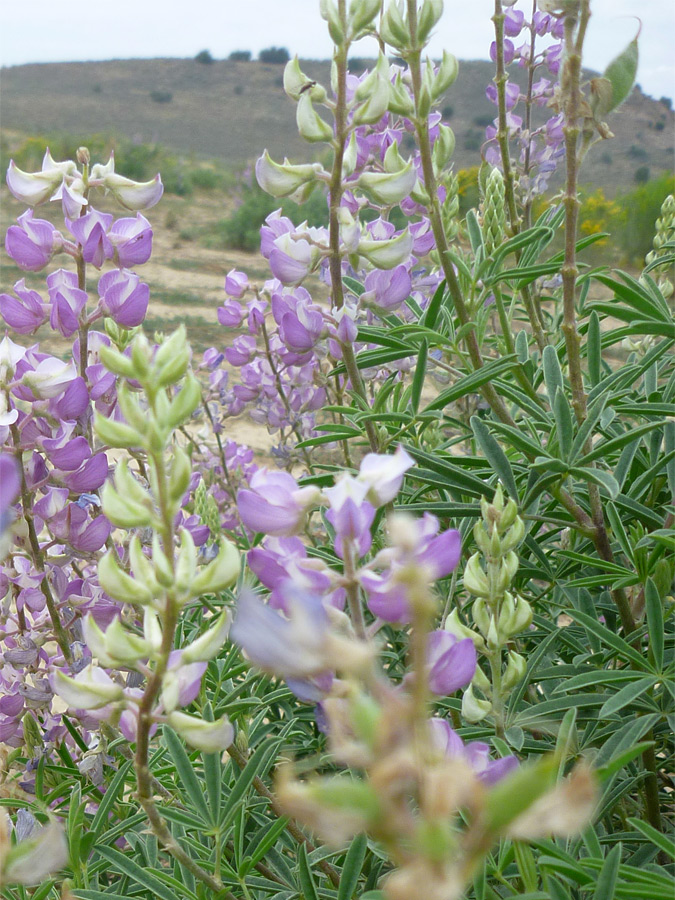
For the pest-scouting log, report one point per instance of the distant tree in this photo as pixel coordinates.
(278, 55)
(240, 56)
(161, 96)
(667, 102)
(204, 56)
(641, 175)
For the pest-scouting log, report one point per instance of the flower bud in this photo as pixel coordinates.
(116, 362)
(393, 28)
(522, 618)
(116, 434)
(209, 737)
(119, 585)
(181, 472)
(283, 179)
(475, 579)
(134, 195)
(310, 124)
(361, 15)
(374, 92)
(186, 564)
(481, 681)
(330, 13)
(400, 101)
(122, 646)
(89, 689)
(163, 570)
(508, 516)
(171, 360)
(507, 611)
(387, 254)
(481, 538)
(33, 188)
(429, 15)
(207, 646)
(142, 567)
(219, 574)
(152, 631)
(388, 189)
(481, 616)
(444, 147)
(34, 858)
(513, 536)
(123, 511)
(296, 83)
(473, 709)
(515, 670)
(185, 402)
(446, 75)
(461, 631)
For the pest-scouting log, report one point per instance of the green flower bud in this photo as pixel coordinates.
(523, 616)
(152, 631)
(172, 359)
(444, 147)
(388, 189)
(181, 472)
(361, 15)
(481, 616)
(122, 646)
(209, 737)
(142, 567)
(446, 75)
(350, 157)
(494, 211)
(481, 681)
(373, 95)
(116, 362)
(219, 574)
(429, 15)
(513, 536)
(481, 538)
(116, 434)
(475, 579)
(186, 564)
(163, 569)
(507, 611)
(140, 357)
(185, 402)
(400, 101)
(131, 409)
(310, 124)
(393, 28)
(515, 670)
(296, 83)
(387, 254)
(330, 13)
(283, 179)
(461, 631)
(33, 859)
(119, 585)
(508, 517)
(474, 709)
(90, 689)
(365, 715)
(208, 644)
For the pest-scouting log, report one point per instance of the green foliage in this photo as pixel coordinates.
(640, 209)
(275, 55)
(240, 56)
(241, 230)
(204, 57)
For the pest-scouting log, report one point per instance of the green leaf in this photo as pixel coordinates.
(621, 74)
(607, 637)
(604, 449)
(495, 456)
(632, 293)
(100, 820)
(626, 696)
(473, 382)
(351, 870)
(661, 840)
(305, 877)
(654, 606)
(420, 373)
(597, 476)
(604, 887)
(265, 839)
(622, 759)
(187, 779)
(587, 427)
(553, 376)
(594, 349)
(430, 315)
(257, 765)
(474, 231)
(564, 425)
(138, 875)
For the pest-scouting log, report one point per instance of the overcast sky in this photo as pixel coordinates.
(49, 31)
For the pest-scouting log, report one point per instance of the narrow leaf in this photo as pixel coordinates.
(352, 867)
(187, 779)
(654, 607)
(626, 696)
(604, 888)
(495, 456)
(553, 376)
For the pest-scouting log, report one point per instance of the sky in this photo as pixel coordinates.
(48, 31)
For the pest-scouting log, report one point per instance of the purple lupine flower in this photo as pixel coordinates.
(132, 241)
(243, 349)
(256, 314)
(476, 754)
(91, 231)
(68, 301)
(73, 402)
(74, 525)
(231, 314)
(32, 243)
(350, 514)
(509, 51)
(124, 297)
(292, 260)
(69, 456)
(10, 484)
(89, 476)
(290, 647)
(514, 19)
(182, 681)
(423, 237)
(26, 314)
(236, 284)
(383, 474)
(451, 662)
(300, 321)
(512, 94)
(43, 379)
(274, 503)
(280, 561)
(553, 58)
(387, 289)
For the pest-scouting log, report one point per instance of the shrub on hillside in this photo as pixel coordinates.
(204, 56)
(277, 55)
(240, 56)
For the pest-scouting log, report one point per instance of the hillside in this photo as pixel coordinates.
(231, 110)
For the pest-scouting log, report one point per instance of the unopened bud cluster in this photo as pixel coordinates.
(494, 211)
(665, 234)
